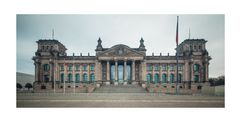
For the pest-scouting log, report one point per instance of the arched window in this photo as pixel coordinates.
(156, 78)
(77, 78)
(196, 67)
(70, 77)
(148, 77)
(164, 78)
(171, 78)
(62, 77)
(85, 77)
(92, 77)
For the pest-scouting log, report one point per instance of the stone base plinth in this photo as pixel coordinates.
(134, 83)
(107, 83)
(98, 85)
(144, 86)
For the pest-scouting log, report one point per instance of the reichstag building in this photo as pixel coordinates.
(118, 65)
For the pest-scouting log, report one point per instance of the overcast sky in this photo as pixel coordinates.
(79, 33)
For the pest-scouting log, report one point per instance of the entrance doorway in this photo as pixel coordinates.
(120, 73)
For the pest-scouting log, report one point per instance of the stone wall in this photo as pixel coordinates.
(59, 88)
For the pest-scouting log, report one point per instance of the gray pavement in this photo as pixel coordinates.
(116, 100)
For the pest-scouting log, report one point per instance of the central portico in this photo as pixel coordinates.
(120, 63)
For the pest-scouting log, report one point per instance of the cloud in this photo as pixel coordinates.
(79, 33)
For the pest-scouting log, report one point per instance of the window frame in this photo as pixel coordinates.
(46, 67)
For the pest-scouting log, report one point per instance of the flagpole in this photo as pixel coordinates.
(177, 55)
(54, 81)
(74, 76)
(64, 77)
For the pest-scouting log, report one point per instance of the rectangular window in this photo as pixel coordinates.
(69, 67)
(46, 67)
(62, 77)
(164, 67)
(171, 67)
(180, 67)
(91, 67)
(156, 67)
(62, 67)
(77, 67)
(149, 67)
(84, 67)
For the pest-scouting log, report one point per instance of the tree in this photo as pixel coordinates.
(220, 80)
(19, 86)
(217, 81)
(28, 86)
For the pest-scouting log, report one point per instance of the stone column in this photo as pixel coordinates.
(100, 71)
(186, 71)
(51, 72)
(153, 65)
(54, 76)
(116, 71)
(206, 72)
(133, 70)
(192, 73)
(160, 73)
(65, 72)
(125, 71)
(143, 63)
(140, 72)
(97, 70)
(108, 71)
(73, 72)
(73, 77)
(81, 72)
(36, 72)
(168, 76)
(88, 72)
(39, 72)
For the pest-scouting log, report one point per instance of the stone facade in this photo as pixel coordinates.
(120, 64)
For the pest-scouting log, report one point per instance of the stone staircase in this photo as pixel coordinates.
(120, 89)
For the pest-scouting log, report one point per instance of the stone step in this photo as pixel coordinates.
(120, 89)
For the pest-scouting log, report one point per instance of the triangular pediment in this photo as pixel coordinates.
(120, 51)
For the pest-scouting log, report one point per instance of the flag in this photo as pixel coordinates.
(177, 32)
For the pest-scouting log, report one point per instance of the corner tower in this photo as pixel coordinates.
(47, 53)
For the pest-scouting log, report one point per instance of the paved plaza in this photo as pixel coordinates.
(116, 100)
